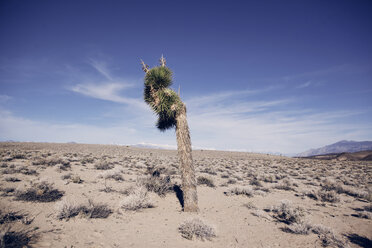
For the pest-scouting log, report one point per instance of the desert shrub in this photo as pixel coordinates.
(256, 182)
(11, 216)
(12, 179)
(323, 195)
(158, 184)
(225, 175)
(17, 238)
(76, 179)
(40, 192)
(247, 191)
(259, 213)
(103, 165)
(51, 161)
(87, 160)
(25, 170)
(137, 199)
(365, 215)
(299, 228)
(66, 176)
(202, 180)
(269, 179)
(287, 213)
(231, 181)
(249, 205)
(328, 196)
(196, 228)
(67, 210)
(209, 170)
(286, 184)
(115, 174)
(97, 210)
(328, 237)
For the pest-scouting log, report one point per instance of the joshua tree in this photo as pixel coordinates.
(171, 113)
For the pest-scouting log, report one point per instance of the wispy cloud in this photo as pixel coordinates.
(5, 98)
(106, 91)
(276, 125)
(110, 89)
(304, 85)
(102, 68)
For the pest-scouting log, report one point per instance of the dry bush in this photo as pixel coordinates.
(17, 238)
(323, 195)
(103, 165)
(328, 237)
(287, 213)
(247, 191)
(157, 183)
(249, 205)
(256, 182)
(76, 179)
(286, 184)
(137, 199)
(115, 174)
(299, 228)
(209, 170)
(12, 179)
(208, 181)
(196, 228)
(365, 215)
(10, 216)
(67, 210)
(40, 192)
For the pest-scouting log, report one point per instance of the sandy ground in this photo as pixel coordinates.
(270, 178)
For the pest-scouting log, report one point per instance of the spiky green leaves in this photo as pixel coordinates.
(159, 77)
(163, 101)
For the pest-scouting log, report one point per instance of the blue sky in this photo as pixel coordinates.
(264, 76)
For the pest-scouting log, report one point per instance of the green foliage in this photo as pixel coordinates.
(163, 100)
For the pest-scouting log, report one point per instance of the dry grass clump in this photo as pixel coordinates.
(247, 191)
(208, 181)
(287, 213)
(40, 192)
(196, 228)
(137, 199)
(67, 210)
(17, 238)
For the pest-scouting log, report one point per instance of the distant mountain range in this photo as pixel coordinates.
(339, 147)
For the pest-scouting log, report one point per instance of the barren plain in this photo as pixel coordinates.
(76, 195)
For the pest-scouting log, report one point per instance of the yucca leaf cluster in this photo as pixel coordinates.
(163, 100)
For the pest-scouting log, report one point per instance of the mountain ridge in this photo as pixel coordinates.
(339, 147)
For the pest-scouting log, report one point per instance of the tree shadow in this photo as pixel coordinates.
(359, 240)
(179, 193)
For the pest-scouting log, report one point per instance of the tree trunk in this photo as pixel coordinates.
(190, 197)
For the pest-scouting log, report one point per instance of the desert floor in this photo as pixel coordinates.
(247, 200)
